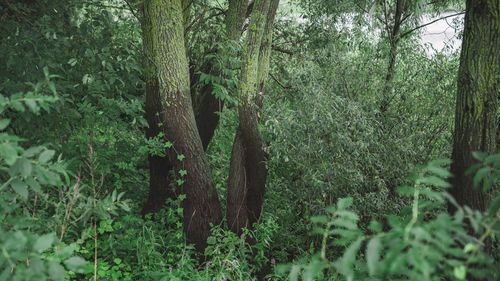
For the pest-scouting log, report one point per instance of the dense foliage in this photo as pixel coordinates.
(353, 188)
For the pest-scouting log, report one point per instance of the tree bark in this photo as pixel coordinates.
(477, 94)
(159, 166)
(393, 53)
(201, 206)
(246, 184)
(208, 106)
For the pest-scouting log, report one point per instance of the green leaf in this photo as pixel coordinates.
(182, 172)
(56, 271)
(44, 242)
(438, 171)
(494, 206)
(373, 255)
(346, 263)
(480, 174)
(4, 123)
(344, 203)
(76, 264)
(460, 272)
(20, 188)
(22, 167)
(8, 152)
(181, 157)
(168, 144)
(45, 156)
(435, 181)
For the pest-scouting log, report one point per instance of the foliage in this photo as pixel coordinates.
(423, 242)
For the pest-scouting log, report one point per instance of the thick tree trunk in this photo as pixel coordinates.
(202, 206)
(478, 89)
(207, 108)
(246, 184)
(159, 166)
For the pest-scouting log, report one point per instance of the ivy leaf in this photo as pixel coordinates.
(182, 172)
(180, 182)
(181, 157)
(168, 144)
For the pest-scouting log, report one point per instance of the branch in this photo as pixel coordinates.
(429, 23)
(282, 50)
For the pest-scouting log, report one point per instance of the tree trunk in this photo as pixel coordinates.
(201, 206)
(246, 184)
(159, 166)
(393, 53)
(209, 107)
(476, 106)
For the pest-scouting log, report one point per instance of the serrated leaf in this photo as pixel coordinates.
(56, 271)
(44, 242)
(45, 156)
(76, 264)
(346, 263)
(8, 152)
(20, 188)
(4, 123)
(480, 174)
(435, 181)
(438, 171)
(373, 255)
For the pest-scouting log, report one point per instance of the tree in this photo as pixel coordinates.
(477, 94)
(205, 105)
(165, 54)
(248, 172)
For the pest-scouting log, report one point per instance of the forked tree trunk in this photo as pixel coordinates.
(247, 178)
(477, 104)
(201, 206)
(206, 111)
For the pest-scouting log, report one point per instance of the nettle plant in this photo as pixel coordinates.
(423, 242)
(26, 173)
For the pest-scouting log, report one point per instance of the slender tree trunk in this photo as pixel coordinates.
(393, 53)
(246, 184)
(477, 94)
(201, 206)
(208, 106)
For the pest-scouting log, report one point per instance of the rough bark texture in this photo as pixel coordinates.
(159, 183)
(202, 206)
(207, 107)
(246, 185)
(478, 89)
